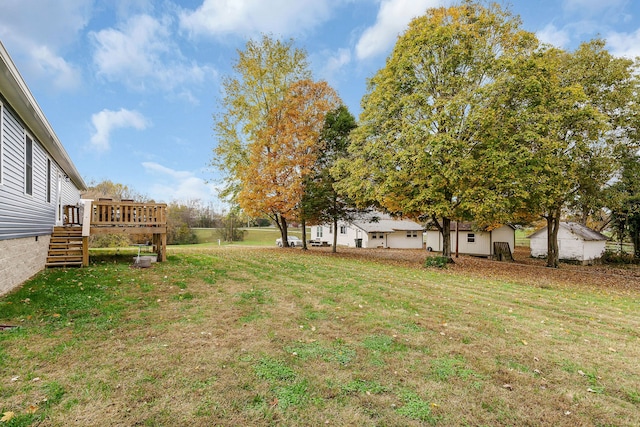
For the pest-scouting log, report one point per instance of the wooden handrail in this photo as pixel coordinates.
(71, 215)
(126, 213)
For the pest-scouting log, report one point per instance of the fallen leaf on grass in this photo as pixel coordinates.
(613, 350)
(32, 409)
(7, 416)
(508, 386)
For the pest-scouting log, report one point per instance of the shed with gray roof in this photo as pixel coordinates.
(576, 242)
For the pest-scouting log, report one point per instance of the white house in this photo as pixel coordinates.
(576, 242)
(37, 179)
(468, 239)
(373, 230)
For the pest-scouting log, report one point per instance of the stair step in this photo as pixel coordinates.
(59, 242)
(64, 264)
(62, 234)
(65, 247)
(65, 252)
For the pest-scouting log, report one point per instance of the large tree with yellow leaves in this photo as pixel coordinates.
(268, 129)
(416, 151)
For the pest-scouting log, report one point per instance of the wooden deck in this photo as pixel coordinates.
(121, 217)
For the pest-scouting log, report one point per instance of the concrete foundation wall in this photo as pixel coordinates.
(20, 259)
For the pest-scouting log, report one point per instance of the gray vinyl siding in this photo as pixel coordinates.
(23, 215)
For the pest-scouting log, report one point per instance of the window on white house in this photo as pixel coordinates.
(343, 229)
(28, 166)
(319, 232)
(374, 236)
(471, 238)
(412, 234)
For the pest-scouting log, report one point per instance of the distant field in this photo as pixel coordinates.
(262, 236)
(521, 237)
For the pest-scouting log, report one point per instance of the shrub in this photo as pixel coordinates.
(109, 241)
(436, 261)
(611, 257)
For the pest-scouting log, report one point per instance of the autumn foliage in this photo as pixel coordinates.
(285, 151)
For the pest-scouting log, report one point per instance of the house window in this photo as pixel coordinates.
(48, 180)
(28, 166)
(343, 229)
(471, 238)
(412, 234)
(318, 231)
(374, 236)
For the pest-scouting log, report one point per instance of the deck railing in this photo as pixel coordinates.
(128, 214)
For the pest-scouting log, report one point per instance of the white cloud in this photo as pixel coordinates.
(333, 62)
(107, 121)
(393, 18)
(142, 55)
(250, 17)
(625, 44)
(52, 22)
(592, 7)
(36, 38)
(554, 36)
(172, 185)
(62, 74)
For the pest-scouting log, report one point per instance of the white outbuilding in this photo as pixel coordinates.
(469, 239)
(576, 242)
(372, 230)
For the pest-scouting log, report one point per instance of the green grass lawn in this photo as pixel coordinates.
(255, 236)
(265, 336)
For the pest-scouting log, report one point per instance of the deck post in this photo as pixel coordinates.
(85, 251)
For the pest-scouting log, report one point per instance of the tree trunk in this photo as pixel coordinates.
(283, 232)
(334, 249)
(304, 234)
(634, 231)
(445, 232)
(553, 223)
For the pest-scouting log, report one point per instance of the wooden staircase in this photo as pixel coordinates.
(65, 247)
(502, 251)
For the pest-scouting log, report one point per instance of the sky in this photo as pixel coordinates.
(130, 86)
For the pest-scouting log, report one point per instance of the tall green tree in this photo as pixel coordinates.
(611, 86)
(416, 148)
(253, 96)
(545, 117)
(321, 202)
